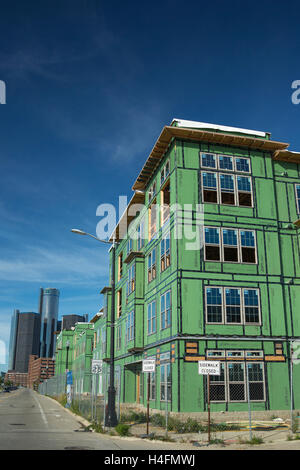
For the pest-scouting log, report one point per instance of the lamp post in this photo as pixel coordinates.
(111, 419)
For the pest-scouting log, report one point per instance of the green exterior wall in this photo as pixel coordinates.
(189, 337)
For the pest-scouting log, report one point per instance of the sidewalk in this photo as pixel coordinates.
(267, 435)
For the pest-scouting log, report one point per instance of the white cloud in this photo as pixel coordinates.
(44, 265)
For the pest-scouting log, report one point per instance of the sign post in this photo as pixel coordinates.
(208, 368)
(148, 367)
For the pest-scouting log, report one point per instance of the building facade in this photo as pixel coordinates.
(24, 339)
(208, 269)
(48, 308)
(39, 369)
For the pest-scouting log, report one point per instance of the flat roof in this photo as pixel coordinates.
(205, 125)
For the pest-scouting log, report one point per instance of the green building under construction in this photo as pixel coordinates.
(207, 268)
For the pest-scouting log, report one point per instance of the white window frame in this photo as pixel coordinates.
(130, 320)
(153, 266)
(209, 167)
(152, 331)
(221, 260)
(166, 384)
(227, 383)
(239, 171)
(167, 325)
(212, 244)
(223, 306)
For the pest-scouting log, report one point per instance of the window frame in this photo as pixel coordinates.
(165, 256)
(220, 245)
(223, 306)
(167, 312)
(234, 172)
(129, 332)
(166, 385)
(152, 320)
(152, 269)
(226, 382)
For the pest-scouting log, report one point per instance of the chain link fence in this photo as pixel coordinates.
(88, 392)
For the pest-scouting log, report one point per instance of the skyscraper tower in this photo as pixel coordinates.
(48, 308)
(13, 339)
(24, 339)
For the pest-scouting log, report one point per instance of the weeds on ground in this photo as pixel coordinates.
(175, 424)
(97, 427)
(254, 441)
(122, 429)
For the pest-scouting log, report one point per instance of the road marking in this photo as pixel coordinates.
(42, 411)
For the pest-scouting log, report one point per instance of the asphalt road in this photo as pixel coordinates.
(29, 421)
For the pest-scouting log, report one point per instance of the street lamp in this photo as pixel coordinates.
(111, 419)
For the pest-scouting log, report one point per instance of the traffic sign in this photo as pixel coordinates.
(149, 365)
(208, 367)
(97, 365)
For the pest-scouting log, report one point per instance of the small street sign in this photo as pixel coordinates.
(69, 378)
(208, 367)
(97, 365)
(149, 365)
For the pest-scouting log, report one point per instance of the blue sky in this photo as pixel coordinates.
(89, 85)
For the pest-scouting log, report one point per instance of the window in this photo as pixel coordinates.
(165, 203)
(152, 191)
(165, 257)
(297, 189)
(212, 244)
(242, 165)
(230, 245)
(152, 265)
(131, 279)
(165, 172)
(152, 395)
(214, 304)
(248, 246)
(119, 337)
(120, 266)
(151, 320)
(224, 188)
(165, 310)
(227, 189)
(238, 246)
(119, 303)
(152, 220)
(130, 327)
(103, 340)
(229, 305)
(244, 191)
(233, 305)
(165, 382)
(208, 160)
(256, 381)
(225, 163)
(210, 190)
(141, 235)
(251, 305)
(236, 381)
(217, 389)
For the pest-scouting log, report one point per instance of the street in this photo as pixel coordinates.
(29, 421)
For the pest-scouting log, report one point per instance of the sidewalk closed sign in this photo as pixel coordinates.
(209, 367)
(149, 365)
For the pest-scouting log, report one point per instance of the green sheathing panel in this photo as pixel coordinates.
(276, 274)
(63, 359)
